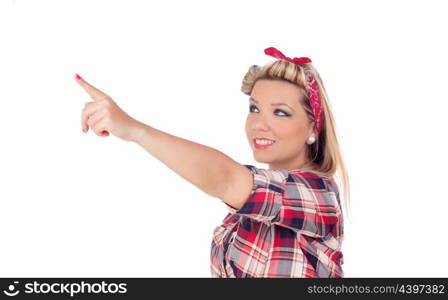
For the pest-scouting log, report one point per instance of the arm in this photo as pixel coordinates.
(205, 167)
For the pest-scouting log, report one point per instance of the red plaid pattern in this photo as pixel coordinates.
(291, 225)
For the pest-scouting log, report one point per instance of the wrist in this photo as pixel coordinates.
(139, 132)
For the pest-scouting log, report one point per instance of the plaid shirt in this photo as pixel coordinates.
(291, 225)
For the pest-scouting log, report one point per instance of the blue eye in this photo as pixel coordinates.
(279, 110)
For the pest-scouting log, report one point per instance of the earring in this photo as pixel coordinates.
(311, 139)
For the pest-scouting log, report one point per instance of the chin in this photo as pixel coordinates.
(262, 160)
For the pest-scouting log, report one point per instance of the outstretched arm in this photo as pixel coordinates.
(203, 166)
(209, 169)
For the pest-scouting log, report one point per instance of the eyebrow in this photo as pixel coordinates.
(273, 104)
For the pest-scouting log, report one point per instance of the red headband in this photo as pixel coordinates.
(312, 87)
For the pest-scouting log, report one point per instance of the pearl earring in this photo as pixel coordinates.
(311, 139)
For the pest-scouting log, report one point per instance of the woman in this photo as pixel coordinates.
(285, 221)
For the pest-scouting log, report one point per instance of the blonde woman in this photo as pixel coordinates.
(285, 221)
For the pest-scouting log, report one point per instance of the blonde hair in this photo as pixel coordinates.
(325, 154)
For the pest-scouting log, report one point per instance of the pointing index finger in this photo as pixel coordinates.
(90, 89)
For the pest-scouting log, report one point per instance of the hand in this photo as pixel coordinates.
(103, 115)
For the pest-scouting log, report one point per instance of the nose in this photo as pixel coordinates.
(260, 123)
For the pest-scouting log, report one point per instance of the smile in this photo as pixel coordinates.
(262, 143)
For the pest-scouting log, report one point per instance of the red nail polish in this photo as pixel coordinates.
(78, 77)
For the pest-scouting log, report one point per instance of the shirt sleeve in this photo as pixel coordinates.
(299, 201)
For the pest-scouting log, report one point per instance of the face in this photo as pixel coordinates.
(286, 124)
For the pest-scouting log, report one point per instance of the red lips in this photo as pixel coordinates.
(261, 147)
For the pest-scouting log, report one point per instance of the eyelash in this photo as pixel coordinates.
(286, 114)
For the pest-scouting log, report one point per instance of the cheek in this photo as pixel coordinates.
(288, 130)
(293, 136)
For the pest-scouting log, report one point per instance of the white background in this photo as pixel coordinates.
(75, 204)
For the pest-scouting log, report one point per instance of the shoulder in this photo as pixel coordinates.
(279, 176)
(307, 178)
(269, 183)
(299, 184)
(311, 179)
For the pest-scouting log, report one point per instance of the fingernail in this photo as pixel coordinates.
(78, 77)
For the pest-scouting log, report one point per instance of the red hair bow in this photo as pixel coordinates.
(277, 54)
(312, 87)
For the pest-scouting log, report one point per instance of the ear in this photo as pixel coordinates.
(311, 129)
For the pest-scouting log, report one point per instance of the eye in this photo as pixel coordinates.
(285, 114)
(250, 107)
